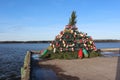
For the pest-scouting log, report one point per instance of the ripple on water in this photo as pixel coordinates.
(12, 57)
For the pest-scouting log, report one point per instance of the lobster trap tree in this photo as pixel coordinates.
(72, 40)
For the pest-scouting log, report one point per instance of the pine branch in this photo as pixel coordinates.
(72, 20)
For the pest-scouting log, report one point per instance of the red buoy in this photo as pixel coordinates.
(80, 53)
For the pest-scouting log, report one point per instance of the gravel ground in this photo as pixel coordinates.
(99, 68)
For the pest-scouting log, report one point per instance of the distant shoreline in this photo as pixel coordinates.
(25, 41)
(106, 40)
(48, 41)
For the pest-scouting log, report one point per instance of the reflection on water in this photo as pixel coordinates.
(36, 56)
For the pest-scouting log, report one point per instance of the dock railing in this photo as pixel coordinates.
(25, 70)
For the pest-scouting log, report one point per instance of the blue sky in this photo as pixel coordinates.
(24, 20)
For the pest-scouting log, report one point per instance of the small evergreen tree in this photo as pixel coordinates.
(72, 20)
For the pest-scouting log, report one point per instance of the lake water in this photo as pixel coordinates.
(12, 56)
(108, 45)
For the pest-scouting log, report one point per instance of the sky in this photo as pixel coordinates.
(34, 20)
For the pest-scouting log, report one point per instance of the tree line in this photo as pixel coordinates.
(49, 41)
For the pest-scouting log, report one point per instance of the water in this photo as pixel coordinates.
(12, 56)
(108, 45)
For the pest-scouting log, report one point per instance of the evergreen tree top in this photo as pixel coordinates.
(72, 20)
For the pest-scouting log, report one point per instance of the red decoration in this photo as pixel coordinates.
(67, 36)
(81, 41)
(61, 32)
(57, 44)
(66, 49)
(80, 53)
